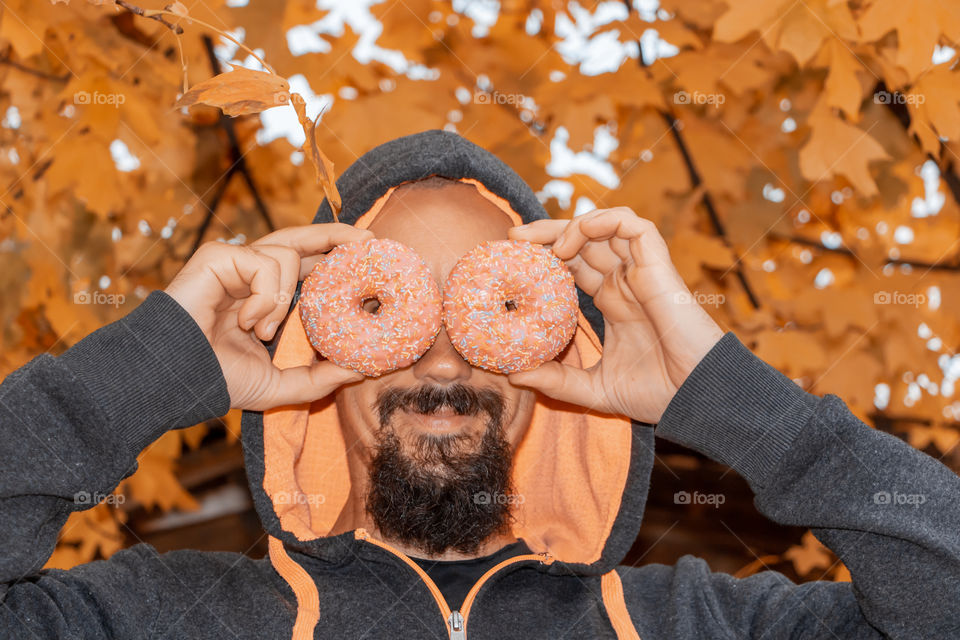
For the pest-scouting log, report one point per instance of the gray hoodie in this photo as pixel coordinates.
(73, 425)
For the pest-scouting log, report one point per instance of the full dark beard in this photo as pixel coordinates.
(445, 495)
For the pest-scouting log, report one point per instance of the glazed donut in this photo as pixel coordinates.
(371, 306)
(509, 305)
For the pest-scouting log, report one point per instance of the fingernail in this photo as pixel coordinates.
(272, 327)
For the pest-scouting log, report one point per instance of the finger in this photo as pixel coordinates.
(218, 258)
(307, 383)
(314, 239)
(627, 227)
(561, 382)
(585, 276)
(600, 256)
(546, 232)
(572, 238)
(619, 222)
(539, 231)
(621, 247)
(650, 249)
(289, 263)
(597, 259)
(262, 274)
(653, 272)
(599, 225)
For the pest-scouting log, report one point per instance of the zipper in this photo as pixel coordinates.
(457, 625)
(456, 620)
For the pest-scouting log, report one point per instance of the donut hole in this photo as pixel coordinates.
(510, 305)
(370, 305)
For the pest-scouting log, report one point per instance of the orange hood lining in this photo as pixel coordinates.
(570, 469)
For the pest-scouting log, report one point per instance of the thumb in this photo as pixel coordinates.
(308, 383)
(561, 382)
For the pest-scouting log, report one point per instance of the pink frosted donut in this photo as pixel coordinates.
(510, 305)
(340, 312)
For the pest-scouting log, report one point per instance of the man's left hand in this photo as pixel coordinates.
(655, 333)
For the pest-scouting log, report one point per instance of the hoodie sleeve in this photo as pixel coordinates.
(71, 428)
(890, 512)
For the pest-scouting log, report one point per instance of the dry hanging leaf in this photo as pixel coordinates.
(239, 92)
(323, 166)
(325, 175)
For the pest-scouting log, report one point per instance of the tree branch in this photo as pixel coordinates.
(902, 114)
(936, 266)
(226, 122)
(695, 182)
(34, 72)
(237, 165)
(211, 209)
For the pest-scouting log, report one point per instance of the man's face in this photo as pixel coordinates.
(438, 433)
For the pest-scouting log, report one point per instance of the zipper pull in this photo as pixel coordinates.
(457, 631)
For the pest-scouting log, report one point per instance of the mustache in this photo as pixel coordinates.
(426, 399)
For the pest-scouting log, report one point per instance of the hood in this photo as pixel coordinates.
(583, 476)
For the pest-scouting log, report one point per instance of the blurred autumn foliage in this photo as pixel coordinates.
(800, 158)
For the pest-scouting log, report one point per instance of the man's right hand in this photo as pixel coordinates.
(239, 295)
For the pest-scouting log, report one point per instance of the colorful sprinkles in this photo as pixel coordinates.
(510, 305)
(393, 336)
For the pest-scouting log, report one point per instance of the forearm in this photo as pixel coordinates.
(71, 427)
(812, 463)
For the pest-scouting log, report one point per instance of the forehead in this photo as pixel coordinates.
(440, 224)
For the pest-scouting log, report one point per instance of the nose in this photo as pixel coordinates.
(442, 364)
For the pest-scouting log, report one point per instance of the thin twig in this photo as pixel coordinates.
(143, 13)
(220, 32)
